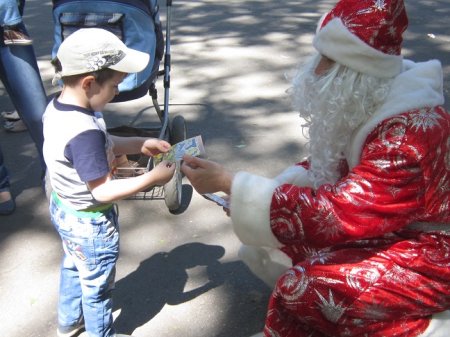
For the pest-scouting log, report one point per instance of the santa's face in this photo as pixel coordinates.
(334, 101)
(323, 66)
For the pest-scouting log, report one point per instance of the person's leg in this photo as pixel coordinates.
(98, 285)
(20, 75)
(7, 204)
(98, 277)
(69, 308)
(93, 247)
(69, 302)
(9, 13)
(353, 292)
(268, 264)
(11, 23)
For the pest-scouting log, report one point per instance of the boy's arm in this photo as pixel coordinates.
(135, 145)
(107, 189)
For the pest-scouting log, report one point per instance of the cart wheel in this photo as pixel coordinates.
(177, 131)
(173, 190)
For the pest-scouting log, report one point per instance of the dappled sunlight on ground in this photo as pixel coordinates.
(179, 275)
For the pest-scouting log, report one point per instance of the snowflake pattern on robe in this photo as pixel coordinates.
(350, 237)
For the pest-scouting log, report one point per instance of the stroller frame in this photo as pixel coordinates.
(171, 130)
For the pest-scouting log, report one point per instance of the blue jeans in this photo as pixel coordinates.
(9, 13)
(91, 249)
(20, 75)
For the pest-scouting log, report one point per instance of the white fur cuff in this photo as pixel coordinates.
(294, 175)
(251, 197)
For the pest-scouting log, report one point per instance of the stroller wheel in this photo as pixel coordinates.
(173, 190)
(177, 130)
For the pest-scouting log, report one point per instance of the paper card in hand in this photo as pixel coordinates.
(191, 146)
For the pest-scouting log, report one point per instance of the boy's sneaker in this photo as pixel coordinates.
(70, 331)
(12, 36)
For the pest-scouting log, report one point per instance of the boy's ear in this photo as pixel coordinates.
(87, 81)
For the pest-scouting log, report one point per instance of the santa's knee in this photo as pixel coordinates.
(439, 325)
(267, 264)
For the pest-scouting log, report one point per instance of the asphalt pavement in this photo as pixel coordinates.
(179, 274)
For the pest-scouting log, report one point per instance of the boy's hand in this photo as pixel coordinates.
(163, 172)
(154, 146)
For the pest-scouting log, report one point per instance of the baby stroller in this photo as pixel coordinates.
(137, 24)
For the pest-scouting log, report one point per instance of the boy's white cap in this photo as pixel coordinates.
(91, 49)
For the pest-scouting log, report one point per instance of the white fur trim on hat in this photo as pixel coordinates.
(336, 42)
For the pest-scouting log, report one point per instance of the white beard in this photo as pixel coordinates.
(333, 106)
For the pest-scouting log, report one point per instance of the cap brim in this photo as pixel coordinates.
(133, 62)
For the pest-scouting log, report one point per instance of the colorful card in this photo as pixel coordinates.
(191, 146)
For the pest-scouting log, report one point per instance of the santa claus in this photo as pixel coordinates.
(355, 240)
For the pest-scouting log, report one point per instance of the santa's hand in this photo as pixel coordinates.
(206, 176)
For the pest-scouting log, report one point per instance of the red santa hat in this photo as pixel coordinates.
(364, 35)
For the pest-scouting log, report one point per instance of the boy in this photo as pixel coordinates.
(79, 154)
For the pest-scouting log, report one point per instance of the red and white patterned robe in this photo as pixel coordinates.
(370, 254)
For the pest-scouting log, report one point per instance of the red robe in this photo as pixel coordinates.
(370, 254)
